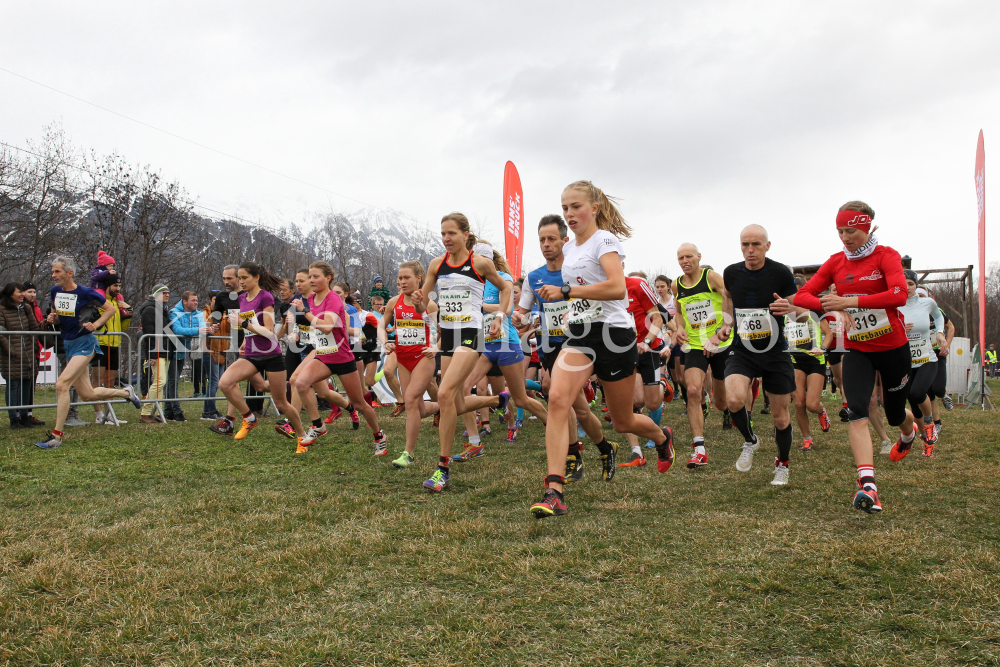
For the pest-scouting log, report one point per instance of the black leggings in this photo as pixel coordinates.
(939, 388)
(859, 382)
(920, 383)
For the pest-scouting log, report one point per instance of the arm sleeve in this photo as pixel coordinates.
(938, 317)
(808, 294)
(895, 295)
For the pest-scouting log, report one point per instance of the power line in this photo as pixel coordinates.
(196, 143)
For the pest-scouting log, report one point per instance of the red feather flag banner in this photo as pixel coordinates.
(513, 215)
(981, 203)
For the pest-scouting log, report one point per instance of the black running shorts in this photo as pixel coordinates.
(808, 364)
(452, 339)
(695, 358)
(774, 369)
(648, 366)
(271, 363)
(611, 350)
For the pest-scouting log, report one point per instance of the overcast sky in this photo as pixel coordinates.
(702, 117)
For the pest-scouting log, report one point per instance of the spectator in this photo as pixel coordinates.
(18, 359)
(104, 274)
(155, 318)
(31, 300)
(214, 359)
(378, 289)
(991, 361)
(104, 367)
(187, 324)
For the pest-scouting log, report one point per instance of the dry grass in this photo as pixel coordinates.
(171, 545)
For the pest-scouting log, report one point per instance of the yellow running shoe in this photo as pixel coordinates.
(245, 429)
(301, 448)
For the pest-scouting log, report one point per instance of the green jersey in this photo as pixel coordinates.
(700, 308)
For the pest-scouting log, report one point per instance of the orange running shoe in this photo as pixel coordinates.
(824, 421)
(668, 392)
(807, 444)
(245, 429)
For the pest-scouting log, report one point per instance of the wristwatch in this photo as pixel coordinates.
(647, 341)
(565, 290)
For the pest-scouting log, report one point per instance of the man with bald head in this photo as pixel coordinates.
(758, 349)
(701, 300)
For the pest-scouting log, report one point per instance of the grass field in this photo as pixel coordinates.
(172, 545)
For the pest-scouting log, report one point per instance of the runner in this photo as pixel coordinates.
(649, 321)
(939, 388)
(700, 307)
(918, 313)
(805, 334)
(104, 368)
(413, 351)
(675, 358)
(462, 276)
(332, 355)
(871, 287)
(502, 350)
(758, 288)
(260, 351)
(74, 308)
(600, 339)
(834, 346)
(553, 234)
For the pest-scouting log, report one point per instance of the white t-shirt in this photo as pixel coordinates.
(582, 266)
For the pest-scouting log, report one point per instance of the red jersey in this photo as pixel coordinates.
(878, 282)
(412, 330)
(641, 300)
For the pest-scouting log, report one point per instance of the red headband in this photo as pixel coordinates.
(854, 219)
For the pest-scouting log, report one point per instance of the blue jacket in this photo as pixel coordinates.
(185, 325)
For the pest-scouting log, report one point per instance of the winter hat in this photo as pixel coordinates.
(26, 285)
(378, 279)
(159, 288)
(103, 258)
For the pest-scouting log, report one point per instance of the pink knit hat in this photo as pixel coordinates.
(103, 258)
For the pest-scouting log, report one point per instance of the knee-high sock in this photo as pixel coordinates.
(783, 436)
(520, 414)
(656, 415)
(741, 418)
(532, 385)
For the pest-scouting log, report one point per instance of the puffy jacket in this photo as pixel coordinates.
(18, 354)
(186, 326)
(155, 348)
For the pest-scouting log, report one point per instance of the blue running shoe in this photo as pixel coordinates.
(438, 481)
(580, 433)
(470, 452)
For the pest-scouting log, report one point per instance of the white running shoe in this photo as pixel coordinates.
(99, 418)
(780, 476)
(745, 462)
(886, 447)
(937, 429)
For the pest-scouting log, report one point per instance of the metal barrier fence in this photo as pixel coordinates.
(29, 372)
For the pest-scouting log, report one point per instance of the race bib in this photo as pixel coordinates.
(797, 334)
(455, 305)
(306, 335)
(584, 310)
(920, 350)
(66, 304)
(247, 316)
(753, 323)
(868, 323)
(411, 332)
(324, 343)
(700, 314)
(554, 317)
(488, 325)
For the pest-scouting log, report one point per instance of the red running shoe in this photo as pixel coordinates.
(900, 450)
(588, 391)
(665, 452)
(334, 415)
(696, 461)
(824, 421)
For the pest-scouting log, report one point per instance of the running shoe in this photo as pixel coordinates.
(886, 447)
(485, 431)
(634, 461)
(335, 414)
(697, 461)
(947, 402)
(470, 452)
(245, 429)
(437, 419)
(512, 434)
(398, 410)
(223, 427)
(438, 481)
(370, 400)
(404, 461)
(845, 415)
(50, 442)
(745, 462)
(285, 429)
(589, 393)
(824, 421)
(552, 505)
(766, 410)
(937, 429)
(727, 421)
(133, 397)
(608, 463)
(355, 421)
(607, 417)
(210, 416)
(928, 435)
(519, 423)
(580, 433)
(300, 446)
(866, 499)
(665, 452)
(381, 445)
(780, 474)
(668, 392)
(574, 468)
(807, 444)
(929, 451)
(900, 450)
